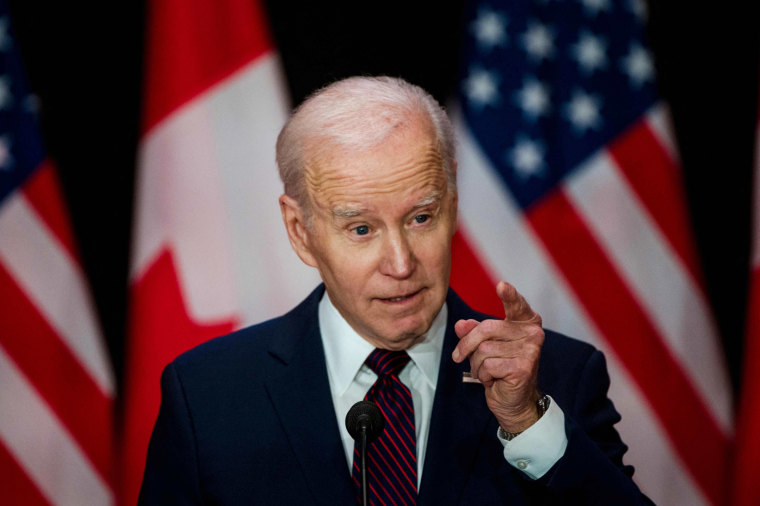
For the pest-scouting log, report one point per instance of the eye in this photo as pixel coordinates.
(421, 218)
(361, 230)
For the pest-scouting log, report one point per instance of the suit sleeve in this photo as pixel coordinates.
(171, 471)
(592, 471)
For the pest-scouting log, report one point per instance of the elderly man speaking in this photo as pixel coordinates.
(476, 410)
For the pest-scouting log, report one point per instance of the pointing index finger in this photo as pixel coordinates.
(516, 308)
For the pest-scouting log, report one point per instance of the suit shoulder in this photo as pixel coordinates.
(561, 345)
(564, 353)
(565, 361)
(252, 337)
(251, 343)
(247, 345)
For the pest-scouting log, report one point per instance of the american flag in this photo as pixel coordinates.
(56, 382)
(570, 189)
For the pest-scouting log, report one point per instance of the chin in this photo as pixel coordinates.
(409, 334)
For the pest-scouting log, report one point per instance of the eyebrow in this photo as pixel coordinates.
(342, 212)
(430, 199)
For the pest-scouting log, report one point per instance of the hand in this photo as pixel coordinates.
(504, 357)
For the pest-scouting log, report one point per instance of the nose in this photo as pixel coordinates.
(397, 260)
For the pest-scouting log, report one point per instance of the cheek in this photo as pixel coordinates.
(434, 253)
(351, 269)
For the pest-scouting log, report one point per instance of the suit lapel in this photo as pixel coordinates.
(298, 386)
(458, 423)
(300, 391)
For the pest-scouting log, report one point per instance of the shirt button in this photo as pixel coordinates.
(522, 464)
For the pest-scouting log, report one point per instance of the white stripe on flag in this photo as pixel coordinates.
(54, 282)
(655, 276)
(42, 446)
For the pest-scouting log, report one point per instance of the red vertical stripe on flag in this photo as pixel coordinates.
(17, 487)
(194, 44)
(59, 377)
(747, 463)
(658, 184)
(629, 332)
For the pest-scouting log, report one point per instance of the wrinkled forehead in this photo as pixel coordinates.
(406, 161)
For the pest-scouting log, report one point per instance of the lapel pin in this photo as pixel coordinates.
(467, 378)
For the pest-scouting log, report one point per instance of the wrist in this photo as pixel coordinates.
(515, 427)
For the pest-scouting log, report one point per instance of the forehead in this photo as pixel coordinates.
(406, 164)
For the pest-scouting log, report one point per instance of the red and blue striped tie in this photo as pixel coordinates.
(392, 458)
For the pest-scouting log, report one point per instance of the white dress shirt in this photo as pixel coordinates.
(534, 451)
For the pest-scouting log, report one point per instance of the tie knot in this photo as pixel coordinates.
(385, 362)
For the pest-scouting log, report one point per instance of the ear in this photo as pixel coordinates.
(455, 201)
(295, 224)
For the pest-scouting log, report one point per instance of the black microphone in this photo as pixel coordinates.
(365, 423)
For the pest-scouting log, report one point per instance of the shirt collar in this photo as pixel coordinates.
(346, 351)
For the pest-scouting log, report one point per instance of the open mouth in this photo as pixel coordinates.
(401, 298)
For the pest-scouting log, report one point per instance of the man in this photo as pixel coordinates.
(256, 417)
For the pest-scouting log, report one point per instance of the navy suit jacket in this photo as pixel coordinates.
(248, 419)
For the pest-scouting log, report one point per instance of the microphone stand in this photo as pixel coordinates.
(364, 465)
(365, 423)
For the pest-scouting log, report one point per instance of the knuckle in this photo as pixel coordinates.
(491, 366)
(468, 343)
(490, 326)
(536, 333)
(488, 348)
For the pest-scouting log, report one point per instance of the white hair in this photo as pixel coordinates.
(357, 113)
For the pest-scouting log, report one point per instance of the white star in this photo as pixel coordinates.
(6, 159)
(527, 157)
(533, 98)
(482, 87)
(538, 41)
(583, 112)
(594, 7)
(6, 97)
(638, 65)
(5, 39)
(590, 51)
(639, 9)
(489, 29)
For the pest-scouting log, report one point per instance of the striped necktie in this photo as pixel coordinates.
(392, 458)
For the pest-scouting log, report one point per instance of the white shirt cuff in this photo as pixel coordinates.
(540, 446)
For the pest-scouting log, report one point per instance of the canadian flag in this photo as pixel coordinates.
(210, 254)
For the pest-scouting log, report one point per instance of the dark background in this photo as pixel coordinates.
(85, 64)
